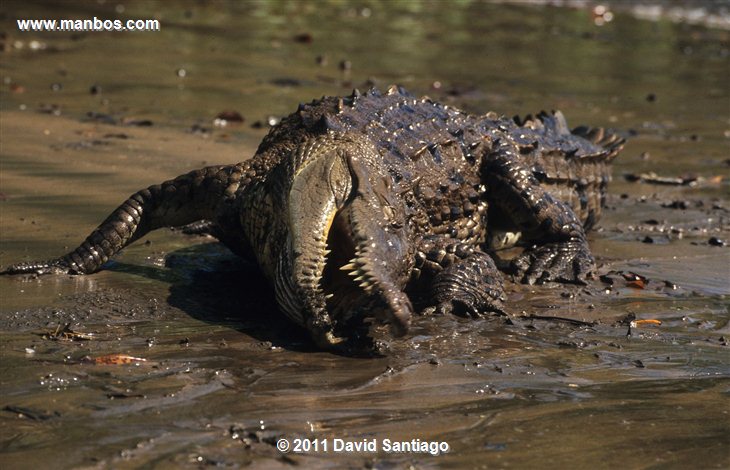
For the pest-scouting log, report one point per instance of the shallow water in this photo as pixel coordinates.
(224, 377)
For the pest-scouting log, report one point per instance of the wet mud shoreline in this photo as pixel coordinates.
(175, 355)
(197, 330)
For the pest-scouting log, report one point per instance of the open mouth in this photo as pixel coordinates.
(346, 283)
(356, 291)
(347, 261)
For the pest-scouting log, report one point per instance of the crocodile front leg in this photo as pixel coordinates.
(471, 286)
(180, 201)
(560, 251)
(459, 277)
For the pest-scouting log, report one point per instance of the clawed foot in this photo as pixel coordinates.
(467, 308)
(58, 266)
(200, 227)
(569, 261)
(469, 287)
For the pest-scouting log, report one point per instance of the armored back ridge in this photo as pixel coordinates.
(366, 205)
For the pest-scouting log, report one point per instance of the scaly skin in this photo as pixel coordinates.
(363, 206)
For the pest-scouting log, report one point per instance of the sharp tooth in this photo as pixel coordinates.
(329, 296)
(348, 267)
(327, 252)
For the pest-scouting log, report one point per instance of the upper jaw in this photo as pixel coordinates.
(361, 279)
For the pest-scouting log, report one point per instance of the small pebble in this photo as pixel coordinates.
(304, 38)
(137, 122)
(714, 241)
(198, 129)
(225, 117)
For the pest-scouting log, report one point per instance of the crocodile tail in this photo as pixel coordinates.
(553, 123)
(610, 142)
(183, 200)
(573, 165)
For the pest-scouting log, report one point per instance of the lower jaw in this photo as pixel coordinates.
(348, 305)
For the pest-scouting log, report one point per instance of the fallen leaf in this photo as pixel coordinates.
(649, 321)
(634, 280)
(117, 359)
(65, 333)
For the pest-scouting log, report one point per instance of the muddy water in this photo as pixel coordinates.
(221, 377)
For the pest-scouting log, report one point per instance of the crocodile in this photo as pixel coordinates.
(378, 205)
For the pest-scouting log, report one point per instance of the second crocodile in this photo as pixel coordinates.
(368, 205)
